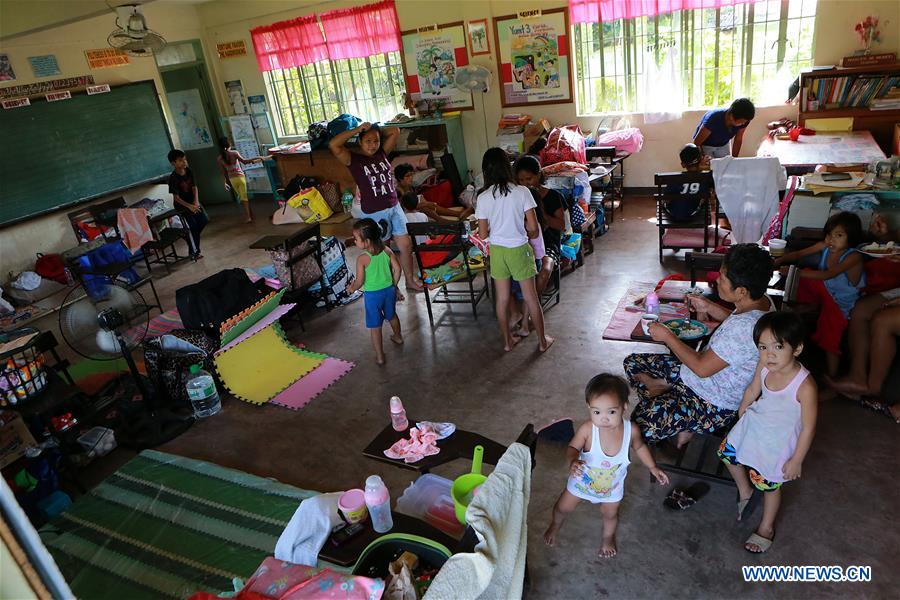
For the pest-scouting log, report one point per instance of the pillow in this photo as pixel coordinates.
(419, 162)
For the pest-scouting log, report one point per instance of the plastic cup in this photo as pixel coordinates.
(352, 505)
(777, 246)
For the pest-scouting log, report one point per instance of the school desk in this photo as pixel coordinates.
(825, 148)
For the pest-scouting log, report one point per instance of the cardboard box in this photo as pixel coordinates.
(14, 438)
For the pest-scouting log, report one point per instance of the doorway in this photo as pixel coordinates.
(196, 118)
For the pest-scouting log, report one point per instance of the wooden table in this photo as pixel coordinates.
(459, 445)
(826, 148)
(276, 241)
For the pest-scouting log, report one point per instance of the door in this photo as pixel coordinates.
(197, 124)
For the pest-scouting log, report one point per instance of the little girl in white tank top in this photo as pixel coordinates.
(603, 477)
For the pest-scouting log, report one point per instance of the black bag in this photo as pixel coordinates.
(297, 183)
(209, 303)
(317, 134)
(169, 356)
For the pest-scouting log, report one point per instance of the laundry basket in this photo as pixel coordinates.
(22, 374)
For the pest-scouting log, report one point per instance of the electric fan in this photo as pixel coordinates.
(475, 78)
(105, 321)
(132, 35)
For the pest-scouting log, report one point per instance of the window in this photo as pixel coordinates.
(370, 88)
(715, 55)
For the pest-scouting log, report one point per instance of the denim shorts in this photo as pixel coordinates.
(380, 306)
(393, 216)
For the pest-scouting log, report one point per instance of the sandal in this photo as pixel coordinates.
(760, 542)
(684, 499)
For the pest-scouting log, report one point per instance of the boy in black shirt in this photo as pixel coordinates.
(187, 199)
(683, 200)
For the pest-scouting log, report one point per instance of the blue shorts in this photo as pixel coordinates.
(394, 217)
(379, 306)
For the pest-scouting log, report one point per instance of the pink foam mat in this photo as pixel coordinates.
(301, 392)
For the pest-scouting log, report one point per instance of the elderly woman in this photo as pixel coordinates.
(689, 391)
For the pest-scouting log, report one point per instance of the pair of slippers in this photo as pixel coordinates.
(683, 499)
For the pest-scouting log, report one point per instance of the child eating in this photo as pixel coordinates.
(776, 425)
(836, 284)
(377, 273)
(598, 459)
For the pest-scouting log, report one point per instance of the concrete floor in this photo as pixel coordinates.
(843, 512)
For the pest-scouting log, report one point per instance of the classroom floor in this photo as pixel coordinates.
(843, 512)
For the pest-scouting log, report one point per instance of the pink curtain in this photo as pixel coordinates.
(597, 11)
(289, 44)
(362, 30)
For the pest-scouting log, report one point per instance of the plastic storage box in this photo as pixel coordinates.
(429, 499)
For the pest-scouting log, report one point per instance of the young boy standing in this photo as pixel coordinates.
(187, 199)
(719, 126)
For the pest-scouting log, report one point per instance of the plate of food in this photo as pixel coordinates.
(687, 329)
(877, 250)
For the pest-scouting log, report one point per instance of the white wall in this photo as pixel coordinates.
(176, 21)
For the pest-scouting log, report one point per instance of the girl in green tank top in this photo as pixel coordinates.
(377, 273)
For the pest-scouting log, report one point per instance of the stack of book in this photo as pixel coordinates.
(853, 92)
(889, 101)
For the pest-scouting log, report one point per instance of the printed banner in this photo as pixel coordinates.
(533, 59)
(97, 89)
(43, 87)
(16, 103)
(232, 49)
(105, 58)
(430, 59)
(55, 96)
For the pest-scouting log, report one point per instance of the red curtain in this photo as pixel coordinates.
(597, 11)
(362, 30)
(287, 44)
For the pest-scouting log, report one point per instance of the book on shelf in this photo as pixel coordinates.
(852, 91)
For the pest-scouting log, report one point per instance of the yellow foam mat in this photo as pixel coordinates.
(261, 366)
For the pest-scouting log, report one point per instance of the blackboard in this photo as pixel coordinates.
(57, 154)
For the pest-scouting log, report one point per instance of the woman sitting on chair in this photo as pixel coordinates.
(691, 391)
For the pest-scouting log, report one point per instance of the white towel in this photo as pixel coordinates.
(748, 191)
(303, 538)
(498, 514)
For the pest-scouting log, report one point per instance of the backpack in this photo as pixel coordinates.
(342, 123)
(210, 302)
(168, 356)
(317, 134)
(51, 266)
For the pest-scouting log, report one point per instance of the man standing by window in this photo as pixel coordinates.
(719, 126)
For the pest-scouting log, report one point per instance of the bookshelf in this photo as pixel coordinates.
(865, 93)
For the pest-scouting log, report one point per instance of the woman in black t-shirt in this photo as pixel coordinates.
(551, 204)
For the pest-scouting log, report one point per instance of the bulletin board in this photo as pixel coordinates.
(430, 59)
(533, 58)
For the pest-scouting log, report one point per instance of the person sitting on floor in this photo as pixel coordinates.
(777, 421)
(689, 391)
(835, 285)
(683, 200)
(403, 173)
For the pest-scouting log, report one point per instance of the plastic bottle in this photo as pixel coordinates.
(398, 415)
(347, 200)
(378, 501)
(201, 389)
(651, 304)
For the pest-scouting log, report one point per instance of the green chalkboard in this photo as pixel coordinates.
(57, 154)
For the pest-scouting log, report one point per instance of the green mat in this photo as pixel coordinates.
(167, 526)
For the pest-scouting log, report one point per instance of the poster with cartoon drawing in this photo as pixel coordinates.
(430, 59)
(533, 56)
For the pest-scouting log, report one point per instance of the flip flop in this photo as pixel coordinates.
(760, 542)
(680, 499)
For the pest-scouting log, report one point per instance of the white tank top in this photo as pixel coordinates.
(604, 476)
(766, 436)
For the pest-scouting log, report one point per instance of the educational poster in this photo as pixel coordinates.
(6, 70)
(244, 137)
(235, 91)
(478, 38)
(533, 58)
(257, 104)
(430, 59)
(44, 66)
(190, 119)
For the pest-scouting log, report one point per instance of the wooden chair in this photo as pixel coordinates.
(664, 222)
(303, 245)
(443, 293)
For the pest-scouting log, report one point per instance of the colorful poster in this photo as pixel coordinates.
(190, 119)
(430, 59)
(44, 66)
(533, 59)
(6, 70)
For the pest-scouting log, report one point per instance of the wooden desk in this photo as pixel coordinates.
(459, 445)
(276, 241)
(826, 148)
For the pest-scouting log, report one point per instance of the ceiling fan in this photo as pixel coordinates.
(133, 36)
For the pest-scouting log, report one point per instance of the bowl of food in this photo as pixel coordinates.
(687, 329)
(877, 250)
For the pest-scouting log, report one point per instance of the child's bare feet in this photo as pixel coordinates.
(548, 341)
(550, 535)
(683, 438)
(379, 359)
(397, 339)
(849, 387)
(608, 547)
(655, 387)
(510, 342)
(895, 411)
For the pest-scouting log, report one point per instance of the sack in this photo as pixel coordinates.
(286, 215)
(629, 140)
(311, 205)
(169, 356)
(342, 123)
(51, 266)
(317, 134)
(564, 144)
(209, 303)
(332, 195)
(304, 272)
